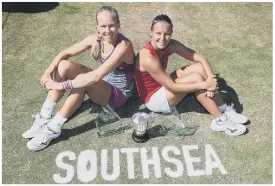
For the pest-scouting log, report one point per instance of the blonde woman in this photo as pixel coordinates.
(109, 84)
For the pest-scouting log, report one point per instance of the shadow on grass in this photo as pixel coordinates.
(87, 104)
(28, 7)
(228, 94)
(188, 104)
(126, 111)
(67, 133)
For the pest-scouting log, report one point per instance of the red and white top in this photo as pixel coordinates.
(146, 85)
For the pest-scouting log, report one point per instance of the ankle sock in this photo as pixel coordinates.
(47, 108)
(222, 118)
(223, 108)
(56, 123)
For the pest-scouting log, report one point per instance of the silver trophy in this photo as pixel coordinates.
(140, 120)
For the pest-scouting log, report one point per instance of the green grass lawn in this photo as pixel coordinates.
(236, 38)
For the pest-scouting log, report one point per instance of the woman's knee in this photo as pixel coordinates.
(178, 73)
(193, 77)
(64, 66)
(198, 77)
(71, 70)
(200, 69)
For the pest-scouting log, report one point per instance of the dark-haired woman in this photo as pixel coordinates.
(109, 84)
(160, 91)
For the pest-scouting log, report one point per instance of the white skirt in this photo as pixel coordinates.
(158, 102)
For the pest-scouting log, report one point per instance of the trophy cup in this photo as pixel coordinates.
(140, 134)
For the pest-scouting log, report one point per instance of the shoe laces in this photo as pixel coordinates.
(228, 123)
(231, 124)
(44, 135)
(38, 122)
(231, 109)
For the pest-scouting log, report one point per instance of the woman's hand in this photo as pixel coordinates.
(53, 85)
(210, 94)
(48, 75)
(211, 84)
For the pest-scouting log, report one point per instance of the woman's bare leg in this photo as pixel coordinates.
(228, 123)
(99, 94)
(65, 70)
(206, 102)
(197, 68)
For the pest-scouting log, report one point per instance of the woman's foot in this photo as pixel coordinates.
(37, 126)
(42, 139)
(229, 127)
(234, 116)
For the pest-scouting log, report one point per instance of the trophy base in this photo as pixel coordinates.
(140, 139)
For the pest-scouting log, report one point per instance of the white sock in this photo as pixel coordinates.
(56, 123)
(47, 108)
(222, 118)
(223, 108)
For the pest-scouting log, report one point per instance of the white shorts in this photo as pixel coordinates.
(158, 102)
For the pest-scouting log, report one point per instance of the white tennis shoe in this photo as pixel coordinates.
(37, 126)
(42, 139)
(234, 116)
(227, 126)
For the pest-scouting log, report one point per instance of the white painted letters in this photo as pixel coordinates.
(104, 165)
(70, 169)
(216, 163)
(87, 163)
(175, 161)
(87, 166)
(153, 161)
(130, 161)
(190, 160)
